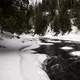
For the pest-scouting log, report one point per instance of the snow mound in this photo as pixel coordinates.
(75, 53)
(66, 48)
(26, 42)
(31, 66)
(74, 35)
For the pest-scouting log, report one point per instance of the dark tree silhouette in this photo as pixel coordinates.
(18, 16)
(60, 13)
(14, 16)
(40, 20)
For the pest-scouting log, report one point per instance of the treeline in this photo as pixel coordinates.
(17, 16)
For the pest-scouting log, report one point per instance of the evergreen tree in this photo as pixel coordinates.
(18, 16)
(60, 14)
(14, 16)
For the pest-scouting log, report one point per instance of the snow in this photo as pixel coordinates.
(17, 61)
(31, 67)
(9, 66)
(75, 53)
(52, 41)
(22, 66)
(25, 42)
(11, 43)
(74, 35)
(66, 48)
(46, 44)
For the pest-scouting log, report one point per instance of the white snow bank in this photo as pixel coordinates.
(24, 36)
(22, 66)
(9, 66)
(31, 67)
(66, 48)
(14, 44)
(74, 35)
(52, 41)
(46, 44)
(26, 41)
(75, 53)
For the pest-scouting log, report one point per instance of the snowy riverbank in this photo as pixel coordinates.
(21, 66)
(17, 61)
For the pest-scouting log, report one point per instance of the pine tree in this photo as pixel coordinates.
(40, 20)
(18, 16)
(14, 16)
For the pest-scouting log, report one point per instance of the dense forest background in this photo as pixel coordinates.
(18, 16)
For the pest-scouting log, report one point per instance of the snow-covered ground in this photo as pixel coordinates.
(22, 66)
(74, 35)
(33, 2)
(10, 66)
(17, 61)
(31, 68)
(75, 53)
(66, 48)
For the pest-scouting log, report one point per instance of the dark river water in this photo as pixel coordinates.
(61, 65)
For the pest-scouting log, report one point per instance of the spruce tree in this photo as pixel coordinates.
(14, 16)
(18, 16)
